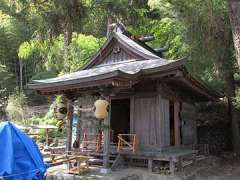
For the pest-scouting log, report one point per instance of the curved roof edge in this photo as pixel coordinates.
(127, 70)
(130, 43)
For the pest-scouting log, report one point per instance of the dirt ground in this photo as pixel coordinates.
(226, 167)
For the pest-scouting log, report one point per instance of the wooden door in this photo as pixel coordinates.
(144, 121)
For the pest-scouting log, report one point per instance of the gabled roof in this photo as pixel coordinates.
(137, 61)
(138, 50)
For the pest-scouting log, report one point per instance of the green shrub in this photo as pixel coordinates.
(17, 107)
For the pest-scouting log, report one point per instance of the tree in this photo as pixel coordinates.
(12, 34)
(17, 107)
(47, 57)
(4, 78)
(234, 14)
(208, 35)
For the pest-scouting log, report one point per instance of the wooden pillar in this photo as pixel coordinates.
(150, 165)
(47, 137)
(69, 124)
(172, 166)
(78, 132)
(132, 115)
(106, 147)
(177, 123)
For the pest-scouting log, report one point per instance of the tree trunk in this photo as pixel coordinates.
(109, 26)
(234, 15)
(72, 8)
(21, 74)
(233, 114)
(68, 30)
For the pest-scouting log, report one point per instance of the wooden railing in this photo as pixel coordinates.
(127, 142)
(92, 139)
(70, 160)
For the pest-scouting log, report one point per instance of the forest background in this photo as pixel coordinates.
(48, 38)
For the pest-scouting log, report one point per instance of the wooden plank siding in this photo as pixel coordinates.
(150, 121)
(189, 129)
(164, 121)
(177, 123)
(117, 53)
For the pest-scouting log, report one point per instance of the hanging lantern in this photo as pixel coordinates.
(101, 109)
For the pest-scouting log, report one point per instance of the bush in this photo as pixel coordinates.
(53, 133)
(17, 107)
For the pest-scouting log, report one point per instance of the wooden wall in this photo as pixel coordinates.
(189, 127)
(150, 118)
(117, 54)
(163, 121)
(150, 121)
(144, 119)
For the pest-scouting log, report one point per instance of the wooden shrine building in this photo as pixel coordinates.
(149, 97)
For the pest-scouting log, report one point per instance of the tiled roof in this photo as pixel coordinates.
(128, 69)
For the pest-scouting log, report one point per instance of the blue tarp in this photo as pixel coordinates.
(20, 158)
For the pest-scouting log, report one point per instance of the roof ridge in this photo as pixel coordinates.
(127, 39)
(130, 42)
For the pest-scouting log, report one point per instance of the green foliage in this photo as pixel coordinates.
(25, 50)
(35, 33)
(236, 99)
(48, 119)
(12, 33)
(4, 75)
(81, 51)
(5, 83)
(52, 54)
(17, 107)
(203, 29)
(53, 133)
(170, 33)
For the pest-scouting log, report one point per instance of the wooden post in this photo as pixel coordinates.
(69, 124)
(84, 147)
(47, 142)
(99, 138)
(119, 144)
(106, 148)
(78, 135)
(177, 123)
(180, 165)
(150, 163)
(172, 166)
